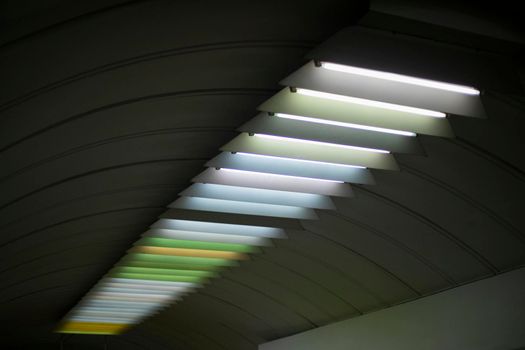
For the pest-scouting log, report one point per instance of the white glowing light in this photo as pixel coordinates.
(105, 312)
(371, 103)
(150, 283)
(221, 228)
(278, 175)
(103, 320)
(300, 160)
(400, 78)
(101, 295)
(136, 291)
(207, 237)
(138, 286)
(242, 207)
(319, 143)
(345, 125)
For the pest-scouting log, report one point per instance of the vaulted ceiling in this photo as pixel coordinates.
(109, 108)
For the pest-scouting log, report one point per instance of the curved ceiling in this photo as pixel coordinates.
(110, 109)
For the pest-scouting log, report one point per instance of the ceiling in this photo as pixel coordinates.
(109, 108)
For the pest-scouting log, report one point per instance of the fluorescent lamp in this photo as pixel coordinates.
(148, 302)
(278, 176)
(199, 253)
(126, 294)
(345, 125)
(149, 283)
(108, 305)
(111, 314)
(335, 145)
(102, 319)
(178, 243)
(371, 103)
(178, 259)
(139, 287)
(216, 227)
(128, 307)
(153, 277)
(129, 296)
(279, 164)
(91, 328)
(163, 265)
(243, 207)
(121, 304)
(138, 291)
(258, 195)
(132, 269)
(400, 78)
(207, 237)
(159, 301)
(277, 146)
(299, 160)
(106, 312)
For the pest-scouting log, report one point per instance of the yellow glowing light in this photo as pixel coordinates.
(189, 252)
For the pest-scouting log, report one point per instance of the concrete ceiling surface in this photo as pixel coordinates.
(108, 109)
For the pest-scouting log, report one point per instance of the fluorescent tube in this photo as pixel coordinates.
(290, 139)
(345, 125)
(400, 78)
(371, 103)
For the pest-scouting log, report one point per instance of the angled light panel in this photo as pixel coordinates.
(298, 149)
(334, 109)
(261, 163)
(204, 236)
(344, 125)
(253, 179)
(390, 87)
(242, 207)
(330, 131)
(257, 195)
(363, 72)
(372, 103)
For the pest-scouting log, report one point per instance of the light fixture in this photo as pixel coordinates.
(279, 165)
(184, 252)
(122, 304)
(258, 195)
(149, 283)
(263, 181)
(299, 160)
(92, 328)
(399, 78)
(156, 277)
(285, 147)
(326, 144)
(106, 313)
(138, 291)
(216, 227)
(132, 296)
(276, 176)
(137, 286)
(345, 125)
(129, 297)
(207, 236)
(178, 243)
(371, 103)
(96, 319)
(177, 259)
(245, 208)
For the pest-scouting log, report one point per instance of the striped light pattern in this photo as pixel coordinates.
(288, 176)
